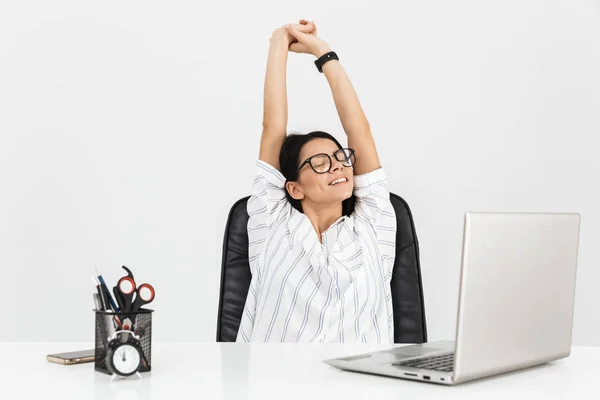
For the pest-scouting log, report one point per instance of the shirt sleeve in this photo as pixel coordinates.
(372, 195)
(373, 205)
(267, 199)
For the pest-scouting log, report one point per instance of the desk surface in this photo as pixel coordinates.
(273, 371)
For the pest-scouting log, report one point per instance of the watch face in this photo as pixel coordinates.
(126, 359)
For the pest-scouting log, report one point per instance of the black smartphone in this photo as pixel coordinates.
(72, 357)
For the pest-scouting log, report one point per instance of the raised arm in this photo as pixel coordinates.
(275, 112)
(351, 115)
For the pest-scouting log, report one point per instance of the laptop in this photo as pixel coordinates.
(515, 308)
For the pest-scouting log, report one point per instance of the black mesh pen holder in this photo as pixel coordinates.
(123, 344)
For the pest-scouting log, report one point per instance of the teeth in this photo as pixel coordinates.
(338, 181)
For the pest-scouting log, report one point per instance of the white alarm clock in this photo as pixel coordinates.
(124, 357)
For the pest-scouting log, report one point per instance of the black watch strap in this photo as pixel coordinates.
(324, 58)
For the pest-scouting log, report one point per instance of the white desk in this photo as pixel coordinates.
(272, 371)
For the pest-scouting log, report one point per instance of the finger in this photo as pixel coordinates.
(292, 31)
(302, 28)
(310, 27)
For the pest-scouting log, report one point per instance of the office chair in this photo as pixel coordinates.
(407, 288)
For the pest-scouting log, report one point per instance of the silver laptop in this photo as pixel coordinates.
(515, 308)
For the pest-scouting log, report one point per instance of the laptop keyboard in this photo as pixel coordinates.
(443, 363)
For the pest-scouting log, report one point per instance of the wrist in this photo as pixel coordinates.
(324, 59)
(322, 50)
(279, 37)
(278, 45)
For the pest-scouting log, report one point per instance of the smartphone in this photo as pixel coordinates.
(73, 357)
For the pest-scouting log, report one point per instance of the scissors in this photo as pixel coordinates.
(129, 297)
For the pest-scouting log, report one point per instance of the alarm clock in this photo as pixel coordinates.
(124, 354)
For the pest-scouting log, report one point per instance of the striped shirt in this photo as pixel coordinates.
(303, 290)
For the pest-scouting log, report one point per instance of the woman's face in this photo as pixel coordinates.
(319, 188)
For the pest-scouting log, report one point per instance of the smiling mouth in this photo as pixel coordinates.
(339, 181)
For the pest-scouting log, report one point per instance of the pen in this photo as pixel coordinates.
(107, 292)
(103, 301)
(109, 302)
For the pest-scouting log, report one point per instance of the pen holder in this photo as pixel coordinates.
(115, 329)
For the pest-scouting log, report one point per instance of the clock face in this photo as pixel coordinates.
(126, 359)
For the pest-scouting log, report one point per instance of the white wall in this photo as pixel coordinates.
(128, 129)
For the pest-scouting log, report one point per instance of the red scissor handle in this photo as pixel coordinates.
(145, 292)
(126, 285)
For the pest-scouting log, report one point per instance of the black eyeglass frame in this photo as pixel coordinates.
(335, 154)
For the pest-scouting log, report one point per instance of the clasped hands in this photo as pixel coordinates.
(301, 38)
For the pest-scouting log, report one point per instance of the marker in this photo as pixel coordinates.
(97, 301)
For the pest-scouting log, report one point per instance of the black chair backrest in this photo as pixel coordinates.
(407, 288)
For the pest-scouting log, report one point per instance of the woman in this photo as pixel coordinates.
(321, 227)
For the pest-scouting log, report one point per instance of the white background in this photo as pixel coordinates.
(128, 129)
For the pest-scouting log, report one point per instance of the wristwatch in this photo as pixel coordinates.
(324, 58)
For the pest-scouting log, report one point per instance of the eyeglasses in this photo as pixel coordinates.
(321, 163)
